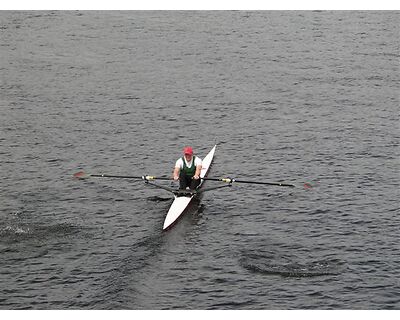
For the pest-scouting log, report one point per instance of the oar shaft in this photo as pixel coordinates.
(267, 183)
(83, 175)
(229, 180)
(135, 177)
(113, 176)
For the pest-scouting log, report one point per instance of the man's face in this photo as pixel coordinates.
(188, 157)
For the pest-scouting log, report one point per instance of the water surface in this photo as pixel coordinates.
(289, 96)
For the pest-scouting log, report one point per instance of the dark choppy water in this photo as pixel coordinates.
(293, 96)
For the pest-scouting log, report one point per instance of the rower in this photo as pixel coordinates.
(187, 170)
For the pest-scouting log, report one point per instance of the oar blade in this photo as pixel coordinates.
(81, 175)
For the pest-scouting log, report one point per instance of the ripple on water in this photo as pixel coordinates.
(271, 265)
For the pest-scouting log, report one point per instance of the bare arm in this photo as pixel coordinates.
(176, 173)
(197, 173)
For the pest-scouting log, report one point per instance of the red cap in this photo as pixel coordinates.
(188, 150)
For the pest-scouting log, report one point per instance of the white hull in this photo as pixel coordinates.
(181, 202)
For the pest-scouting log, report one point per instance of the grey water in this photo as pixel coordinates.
(293, 96)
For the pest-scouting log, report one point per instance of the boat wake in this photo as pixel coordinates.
(266, 265)
(119, 286)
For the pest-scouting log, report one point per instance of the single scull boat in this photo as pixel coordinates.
(183, 199)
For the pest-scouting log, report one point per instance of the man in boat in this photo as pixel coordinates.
(187, 170)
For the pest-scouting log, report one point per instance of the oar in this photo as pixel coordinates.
(84, 175)
(230, 180)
